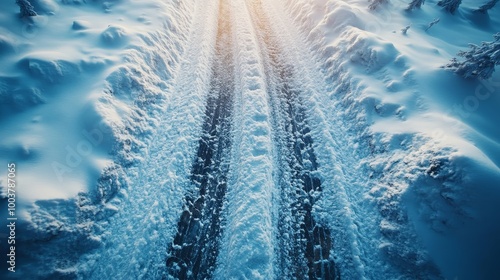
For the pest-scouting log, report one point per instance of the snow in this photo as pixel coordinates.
(152, 205)
(102, 88)
(53, 74)
(102, 104)
(248, 250)
(402, 104)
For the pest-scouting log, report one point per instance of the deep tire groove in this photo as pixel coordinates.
(195, 248)
(304, 244)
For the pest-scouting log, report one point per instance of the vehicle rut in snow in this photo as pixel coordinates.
(195, 247)
(305, 245)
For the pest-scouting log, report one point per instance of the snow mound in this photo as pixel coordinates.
(369, 51)
(45, 7)
(7, 45)
(114, 36)
(80, 25)
(49, 71)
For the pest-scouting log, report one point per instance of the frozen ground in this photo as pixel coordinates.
(248, 140)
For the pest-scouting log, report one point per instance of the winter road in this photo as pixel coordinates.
(300, 247)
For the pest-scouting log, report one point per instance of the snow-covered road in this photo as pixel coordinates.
(304, 245)
(242, 139)
(261, 139)
(248, 206)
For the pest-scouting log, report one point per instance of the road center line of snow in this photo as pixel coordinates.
(247, 250)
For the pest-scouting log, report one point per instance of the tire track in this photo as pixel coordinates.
(195, 248)
(305, 244)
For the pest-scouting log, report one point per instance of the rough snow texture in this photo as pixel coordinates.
(450, 5)
(103, 77)
(247, 250)
(415, 4)
(405, 172)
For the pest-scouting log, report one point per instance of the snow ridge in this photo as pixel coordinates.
(248, 242)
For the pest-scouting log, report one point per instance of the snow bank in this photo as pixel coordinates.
(414, 133)
(90, 81)
(150, 211)
(114, 36)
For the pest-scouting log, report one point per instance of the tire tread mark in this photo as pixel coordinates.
(305, 244)
(194, 250)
